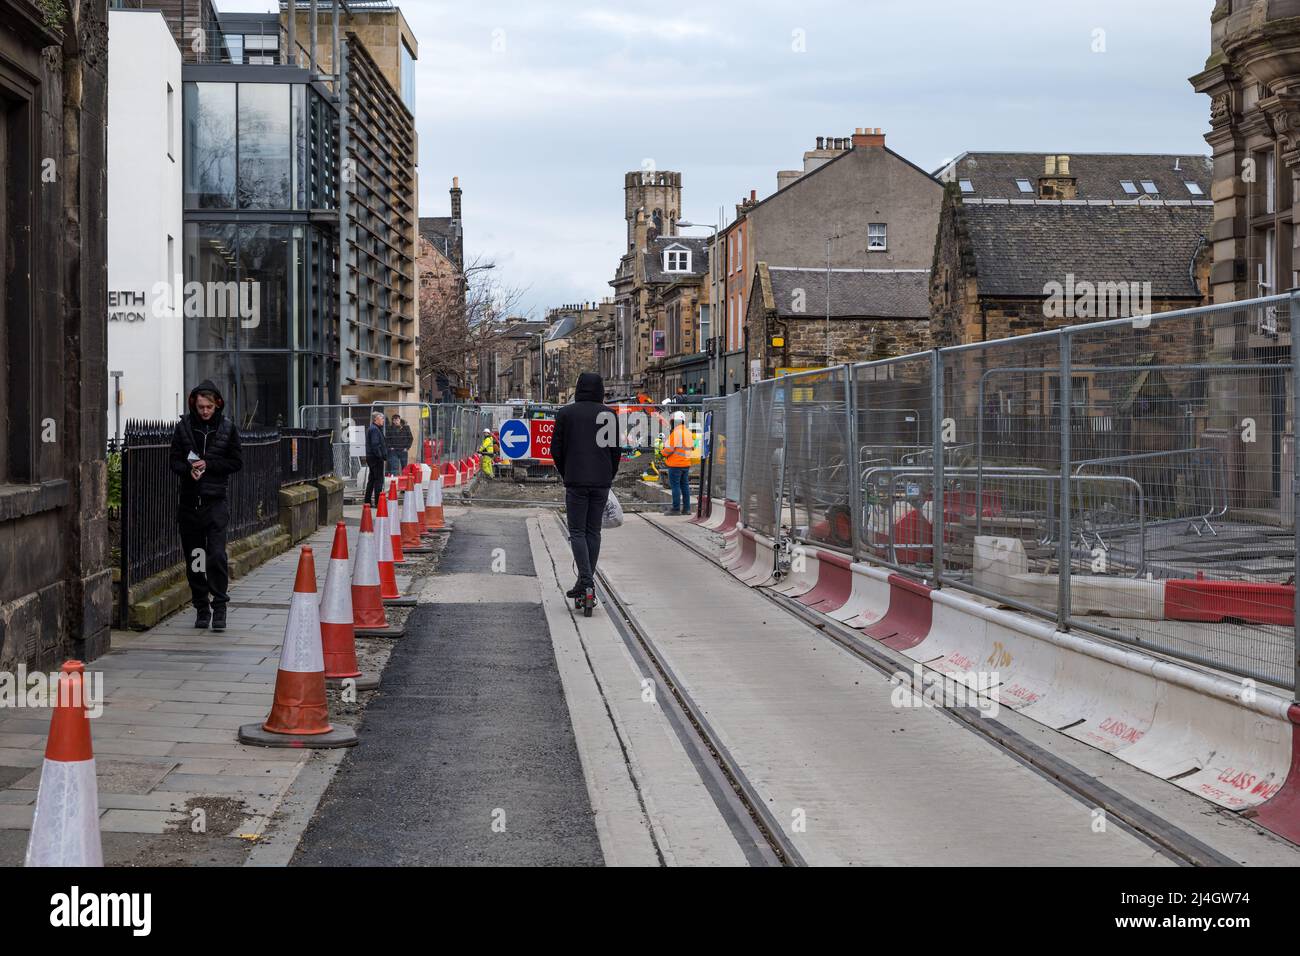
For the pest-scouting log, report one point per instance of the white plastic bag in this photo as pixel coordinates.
(613, 516)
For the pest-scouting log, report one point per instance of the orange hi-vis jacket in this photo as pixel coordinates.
(679, 449)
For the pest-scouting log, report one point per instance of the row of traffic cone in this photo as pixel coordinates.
(319, 646)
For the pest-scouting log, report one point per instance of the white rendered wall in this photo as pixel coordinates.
(145, 341)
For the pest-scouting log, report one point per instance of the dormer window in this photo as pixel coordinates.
(677, 260)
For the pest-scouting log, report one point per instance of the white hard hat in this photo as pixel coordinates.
(487, 431)
(679, 416)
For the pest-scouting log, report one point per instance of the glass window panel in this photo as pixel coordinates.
(209, 145)
(264, 259)
(210, 277)
(265, 146)
(219, 367)
(265, 388)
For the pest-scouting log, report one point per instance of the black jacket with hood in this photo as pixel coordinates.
(216, 441)
(580, 427)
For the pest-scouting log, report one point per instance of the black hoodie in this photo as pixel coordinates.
(585, 445)
(216, 441)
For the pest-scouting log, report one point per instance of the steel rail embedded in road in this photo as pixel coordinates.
(760, 836)
(1167, 838)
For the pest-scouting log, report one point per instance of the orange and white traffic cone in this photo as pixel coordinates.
(433, 505)
(410, 524)
(65, 828)
(299, 713)
(419, 488)
(368, 616)
(391, 512)
(337, 632)
(387, 574)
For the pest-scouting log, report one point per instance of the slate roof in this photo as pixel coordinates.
(1020, 248)
(438, 230)
(1099, 175)
(855, 293)
(654, 258)
(564, 325)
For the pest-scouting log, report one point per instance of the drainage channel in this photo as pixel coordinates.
(1170, 840)
(759, 835)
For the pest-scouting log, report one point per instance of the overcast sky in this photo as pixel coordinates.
(541, 106)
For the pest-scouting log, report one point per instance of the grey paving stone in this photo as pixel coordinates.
(138, 821)
(16, 817)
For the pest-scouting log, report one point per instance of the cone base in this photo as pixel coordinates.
(392, 631)
(363, 681)
(255, 735)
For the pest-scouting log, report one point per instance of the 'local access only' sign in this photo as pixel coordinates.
(514, 437)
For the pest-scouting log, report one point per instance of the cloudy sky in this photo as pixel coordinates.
(541, 106)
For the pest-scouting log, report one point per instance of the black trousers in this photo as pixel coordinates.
(375, 483)
(585, 508)
(203, 530)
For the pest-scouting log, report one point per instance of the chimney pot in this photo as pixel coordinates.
(1049, 166)
(819, 142)
(1063, 165)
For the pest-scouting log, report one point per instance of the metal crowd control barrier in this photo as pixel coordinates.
(1158, 450)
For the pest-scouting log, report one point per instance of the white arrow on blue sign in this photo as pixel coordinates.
(514, 437)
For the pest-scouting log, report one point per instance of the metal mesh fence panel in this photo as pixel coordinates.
(1182, 532)
(891, 454)
(715, 410)
(818, 471)
(760, 484)
(733, 441)
(1001, 433)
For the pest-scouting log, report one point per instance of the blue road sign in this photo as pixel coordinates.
(708, 433)
(515, 438)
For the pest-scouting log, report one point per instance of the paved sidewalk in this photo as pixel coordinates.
(165, 743)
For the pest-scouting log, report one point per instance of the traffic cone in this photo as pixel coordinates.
(448, 475)
(390, 513)
(410, 525)
(65, 828)
(337, 632)
(433, 505)
(368, 617)
(387, 575)
(299, 714)
(419, 486)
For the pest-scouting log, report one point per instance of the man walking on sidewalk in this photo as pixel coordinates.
(679, 452)
(585, 448)
(205, 451)
(376, 459)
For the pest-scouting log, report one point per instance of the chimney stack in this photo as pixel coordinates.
(820, 140)
(455, 197)
(868, 138)
(1056, 181)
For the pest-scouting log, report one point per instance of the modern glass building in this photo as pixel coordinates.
(261, 300)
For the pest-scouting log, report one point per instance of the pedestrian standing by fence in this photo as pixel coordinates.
(488, 449)
(376, 459)
(399, 438)
(586, 450)
(205, 452)
(679, 452)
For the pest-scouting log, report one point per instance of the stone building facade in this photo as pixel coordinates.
(1252, 79)
(55, 582)
(872, 314)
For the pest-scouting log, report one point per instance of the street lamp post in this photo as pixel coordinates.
(829, 240)
(713, 283)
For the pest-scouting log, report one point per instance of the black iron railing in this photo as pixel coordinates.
(149, 495)
(305, 454)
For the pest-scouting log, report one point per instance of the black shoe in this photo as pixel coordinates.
(204, 618)
(219, 617)
(574, 591)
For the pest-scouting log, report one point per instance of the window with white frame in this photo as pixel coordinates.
(966, 185)
(677, 260)
(876, 237)
(1024, 185)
